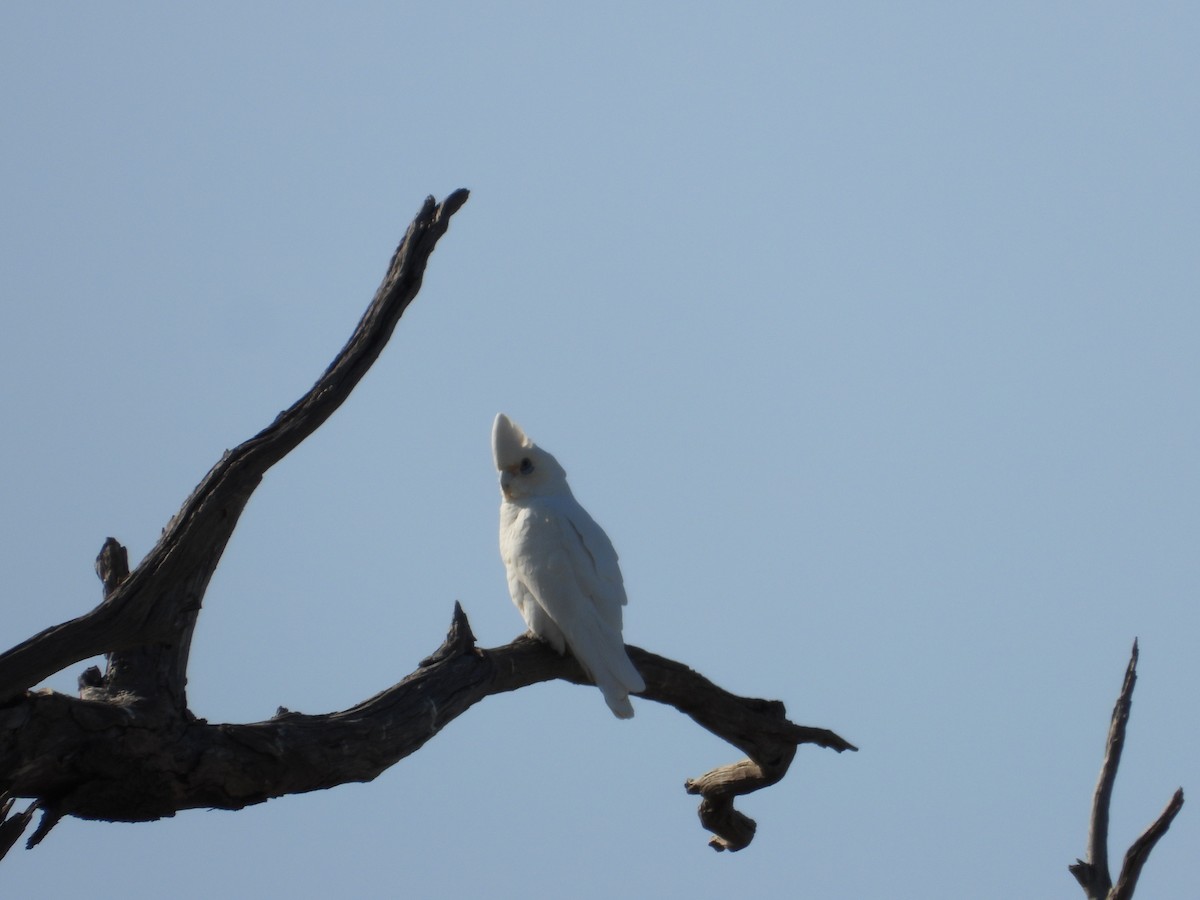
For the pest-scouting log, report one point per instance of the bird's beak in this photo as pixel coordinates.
(506, 479)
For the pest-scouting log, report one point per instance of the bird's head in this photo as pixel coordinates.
(526, 470)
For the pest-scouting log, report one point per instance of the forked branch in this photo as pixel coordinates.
(157, 605)
(129, 749)
(64, 748)
(1093, 874)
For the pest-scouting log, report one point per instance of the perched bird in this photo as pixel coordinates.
(562, 568)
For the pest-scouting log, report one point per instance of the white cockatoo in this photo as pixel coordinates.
(562, 568)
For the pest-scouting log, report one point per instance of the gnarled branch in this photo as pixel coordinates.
(128, 748)
(101, 760)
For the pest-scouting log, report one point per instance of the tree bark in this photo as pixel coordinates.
(128, 748)
(100, 760)
(1093, 873)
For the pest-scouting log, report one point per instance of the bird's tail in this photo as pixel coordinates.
(617, 678)
(619, 704)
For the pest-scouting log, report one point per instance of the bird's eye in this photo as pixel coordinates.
(526, 466)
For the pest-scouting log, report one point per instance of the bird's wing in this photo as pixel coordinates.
(547, 556)
(578, 584)
(595, 559)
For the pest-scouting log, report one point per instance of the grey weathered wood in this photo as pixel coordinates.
(1139, 850)
(129, 749)
(1093, 873)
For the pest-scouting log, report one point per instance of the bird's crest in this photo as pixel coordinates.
(509, 442)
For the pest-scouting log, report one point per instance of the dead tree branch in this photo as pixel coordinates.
(1093, 874)
(128, 748)
(97, 760)
(1139, 850)
(159, 601)
(12, 826)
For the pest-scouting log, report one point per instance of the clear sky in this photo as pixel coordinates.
(868, 331)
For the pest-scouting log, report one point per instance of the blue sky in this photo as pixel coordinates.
(868, 332)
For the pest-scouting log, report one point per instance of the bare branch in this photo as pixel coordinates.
(759, 728)
(1093, 874)
(100, 760)
(112, 565)
(139, 672)
(51, 816)
(11, 827)
(158, 603)
(1139, 851)
(128, 748)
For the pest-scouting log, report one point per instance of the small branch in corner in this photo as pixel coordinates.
(51, 816)
(12, 827)
(1093, 873)
(112, 565)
